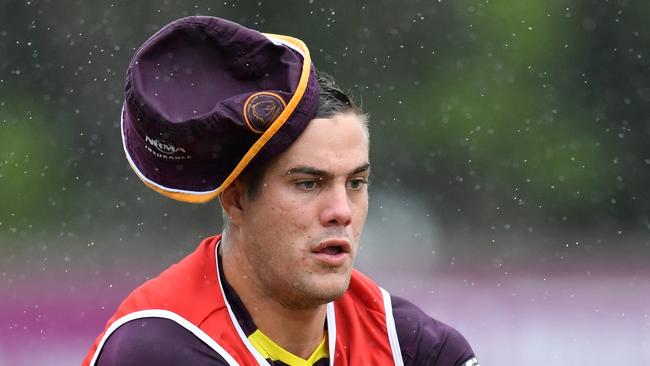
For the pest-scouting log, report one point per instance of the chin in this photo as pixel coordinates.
(333, 289)
(318, 290)
(321, 298)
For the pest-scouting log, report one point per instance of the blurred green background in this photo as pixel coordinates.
(501, 116)
(510, 143)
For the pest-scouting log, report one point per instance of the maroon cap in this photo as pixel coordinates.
(205, 97)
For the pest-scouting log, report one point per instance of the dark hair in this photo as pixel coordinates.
(332, 100)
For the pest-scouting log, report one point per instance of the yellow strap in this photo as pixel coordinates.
(271, 350)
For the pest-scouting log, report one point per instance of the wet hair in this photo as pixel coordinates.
(332, 100)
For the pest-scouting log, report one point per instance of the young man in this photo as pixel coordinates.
(217, 110)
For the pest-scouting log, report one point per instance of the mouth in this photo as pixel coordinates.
(333, 253)
(333, 247)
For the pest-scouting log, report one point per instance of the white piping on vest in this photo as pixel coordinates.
(260, 359)
(166, 314)
(392, 331)
(331, 332)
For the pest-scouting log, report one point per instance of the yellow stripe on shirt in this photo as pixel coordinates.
(271, 350)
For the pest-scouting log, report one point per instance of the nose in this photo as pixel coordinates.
(336, 209)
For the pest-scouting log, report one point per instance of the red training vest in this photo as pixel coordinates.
(190, 293)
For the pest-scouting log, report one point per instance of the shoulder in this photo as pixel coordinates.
(427, 341)
(185, 288)
(156, 341)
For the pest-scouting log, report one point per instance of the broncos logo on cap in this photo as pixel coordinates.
(261, 110)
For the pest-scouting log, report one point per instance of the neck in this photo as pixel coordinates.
(297, 330)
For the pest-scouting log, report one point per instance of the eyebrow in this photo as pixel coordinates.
(322, 173)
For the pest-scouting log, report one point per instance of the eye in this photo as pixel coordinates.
(307, 185)
(357, 184)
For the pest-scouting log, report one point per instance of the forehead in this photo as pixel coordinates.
(335, 143)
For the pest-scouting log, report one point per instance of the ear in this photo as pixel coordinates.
(231, 200)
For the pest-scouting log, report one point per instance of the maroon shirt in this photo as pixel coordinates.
(423, 340)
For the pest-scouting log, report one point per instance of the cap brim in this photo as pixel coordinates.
(136, 153)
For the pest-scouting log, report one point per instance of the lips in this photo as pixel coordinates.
(333, 247)
(333, 253)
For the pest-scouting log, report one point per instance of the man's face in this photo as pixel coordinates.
(300, 232)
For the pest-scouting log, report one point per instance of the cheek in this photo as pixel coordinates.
(361, 203)
(294, 212)
(360, 213)
(284, 223)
